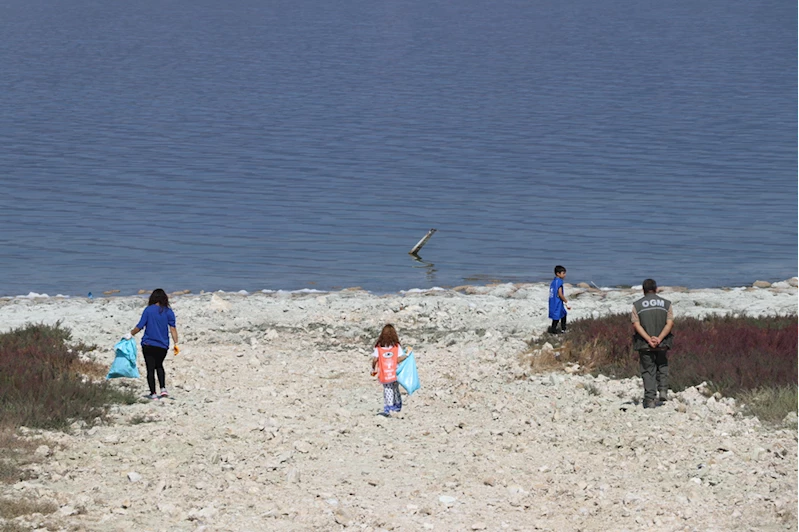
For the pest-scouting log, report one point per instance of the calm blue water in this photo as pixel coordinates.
(284, 145)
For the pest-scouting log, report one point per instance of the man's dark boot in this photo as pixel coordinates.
(649, 403)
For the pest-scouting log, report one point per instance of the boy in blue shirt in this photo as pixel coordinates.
(558, 305)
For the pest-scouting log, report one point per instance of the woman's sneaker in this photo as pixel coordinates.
(152, 396)
(164, 393)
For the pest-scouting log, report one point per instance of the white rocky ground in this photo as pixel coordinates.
(272, 426)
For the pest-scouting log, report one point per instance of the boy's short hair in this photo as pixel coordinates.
(559, 269)
(650, 286)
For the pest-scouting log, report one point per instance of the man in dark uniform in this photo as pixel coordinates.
(653, 320)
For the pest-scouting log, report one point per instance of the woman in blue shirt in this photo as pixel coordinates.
(158, 322)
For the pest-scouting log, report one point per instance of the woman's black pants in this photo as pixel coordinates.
(154, 358)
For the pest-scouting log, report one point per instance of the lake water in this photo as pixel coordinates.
(285, 145)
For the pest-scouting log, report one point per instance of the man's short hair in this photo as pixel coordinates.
(559, 269)
(650, 286)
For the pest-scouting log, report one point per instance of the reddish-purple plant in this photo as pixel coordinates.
(732, 354)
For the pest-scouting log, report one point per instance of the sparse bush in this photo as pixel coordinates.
(44, 384)
(593, 389)
(11, 508)
(771, 404)
(16, 452)
(139, 419)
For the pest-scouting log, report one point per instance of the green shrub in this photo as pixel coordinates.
(43, 383)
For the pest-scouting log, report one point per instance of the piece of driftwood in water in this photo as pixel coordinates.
(422, 242)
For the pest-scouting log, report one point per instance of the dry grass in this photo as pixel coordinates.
(771, 404)
(540, 361)
(11, 508)
(16, 452)
(94, 370)
(13, 526)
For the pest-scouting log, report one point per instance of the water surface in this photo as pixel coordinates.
(287, 145)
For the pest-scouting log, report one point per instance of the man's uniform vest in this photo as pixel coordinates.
(387, 363)
(652, 313)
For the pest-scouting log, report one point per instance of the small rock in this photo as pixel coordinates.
(447, 500)
(761, 284)
(166, 508)
(67, 510)
(479, 526)
(293, 476)
(134, 477)
(207, 512)
(342, 517)
(303, 446)
(42, 451)
(758, 453)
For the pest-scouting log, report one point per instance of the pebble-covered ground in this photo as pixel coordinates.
(271, 424)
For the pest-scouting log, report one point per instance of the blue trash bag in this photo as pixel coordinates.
(124, 364)
(407, 376)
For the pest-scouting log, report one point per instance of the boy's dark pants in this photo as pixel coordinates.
(554, 328)
(654, 365)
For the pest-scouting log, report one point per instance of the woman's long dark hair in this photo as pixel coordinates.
(388, 337)
(159, 297)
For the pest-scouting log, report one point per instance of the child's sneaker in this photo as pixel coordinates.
(164, 393)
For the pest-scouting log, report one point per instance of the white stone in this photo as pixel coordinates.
(303, 446)
(293, 476)
(447, 500)
(42, 451)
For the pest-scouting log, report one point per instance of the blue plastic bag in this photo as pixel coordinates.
(124, 364)
(407, 376)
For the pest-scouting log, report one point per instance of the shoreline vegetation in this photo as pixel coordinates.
(45, 384)
(750, 359)
(739, 344)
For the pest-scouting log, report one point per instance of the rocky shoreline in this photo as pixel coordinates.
(271, 423)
